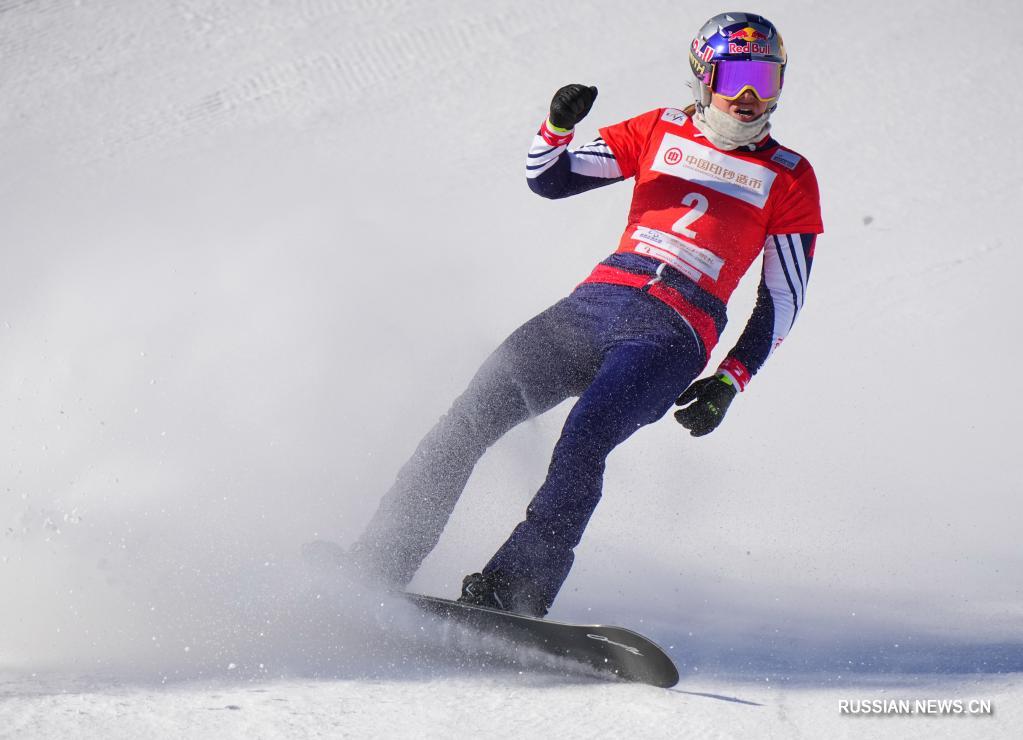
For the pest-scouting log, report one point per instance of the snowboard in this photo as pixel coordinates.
(613, 650)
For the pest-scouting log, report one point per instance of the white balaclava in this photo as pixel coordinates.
(729, 133)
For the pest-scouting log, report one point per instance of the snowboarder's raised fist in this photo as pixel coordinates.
(571, 104)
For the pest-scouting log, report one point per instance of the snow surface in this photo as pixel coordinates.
(251, 250)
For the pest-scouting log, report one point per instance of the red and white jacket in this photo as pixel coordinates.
(699, 218)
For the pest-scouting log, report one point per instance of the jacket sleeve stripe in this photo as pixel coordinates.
(597, 144)
(534, 153)
(533, 170)
(794, 256)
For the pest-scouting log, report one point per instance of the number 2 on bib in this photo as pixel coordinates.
(697, 207)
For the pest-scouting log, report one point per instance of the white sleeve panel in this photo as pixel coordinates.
(595, 160)
(785, 277)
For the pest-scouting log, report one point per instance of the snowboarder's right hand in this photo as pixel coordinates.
(570, 105)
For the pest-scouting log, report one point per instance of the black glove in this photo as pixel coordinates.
(708, 401)
(571, 104)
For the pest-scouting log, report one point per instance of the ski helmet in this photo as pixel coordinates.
(737, 37)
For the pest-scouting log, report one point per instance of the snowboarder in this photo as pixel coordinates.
(713, 190)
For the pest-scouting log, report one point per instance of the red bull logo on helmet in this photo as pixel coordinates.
(747, 34)
(747, 41)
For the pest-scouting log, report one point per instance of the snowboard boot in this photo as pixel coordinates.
(481, 590)
(493, 591)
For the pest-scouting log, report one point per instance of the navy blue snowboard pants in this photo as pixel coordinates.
(626, 355)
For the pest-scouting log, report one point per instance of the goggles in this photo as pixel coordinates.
(730, 79)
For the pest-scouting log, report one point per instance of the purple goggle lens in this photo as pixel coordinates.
(732, 78)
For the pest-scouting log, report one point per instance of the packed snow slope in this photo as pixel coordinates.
(251, 251)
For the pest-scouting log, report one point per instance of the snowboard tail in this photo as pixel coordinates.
(608, 649)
